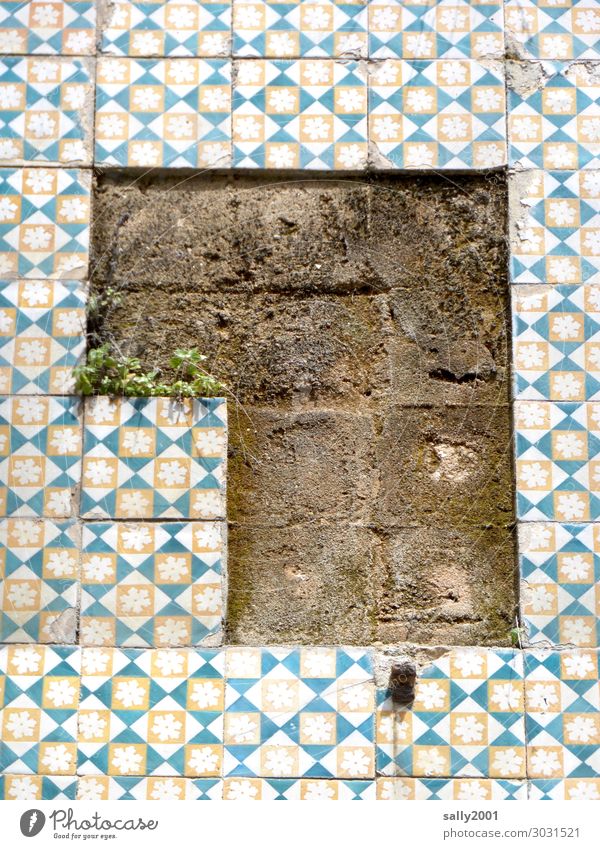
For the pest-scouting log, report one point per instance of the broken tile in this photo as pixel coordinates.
(37, 27)
(39, 580)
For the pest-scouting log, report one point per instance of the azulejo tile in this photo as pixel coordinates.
(39, 717)
(28, 787)
(163, 112)
(36, 27)
(171, 28)
(38, 580)
(450, 789)
(454, 29)
(557, 126)
(571, 789)
(151, 712)
(40, 455)
(44, 223)
(560, 570)
(151, 584)
(466, 720)
(294, 713)
(325, 28)
(437, 114)
(562, 714)
(568, 29)
(558, 461)
(157, 789)
(154, 458)
(46, 111)
(42, 336)
(555, 229)
(556, 342)
(296, 790)
(310, 113)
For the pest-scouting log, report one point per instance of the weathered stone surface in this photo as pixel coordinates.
(361, 326)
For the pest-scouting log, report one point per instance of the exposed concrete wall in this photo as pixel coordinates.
(362, 327)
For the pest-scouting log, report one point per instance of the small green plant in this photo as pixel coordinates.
(108, 373)
(517, 635)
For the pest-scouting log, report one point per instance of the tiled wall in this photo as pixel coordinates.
(114, 682)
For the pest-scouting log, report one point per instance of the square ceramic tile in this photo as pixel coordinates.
(42, 336)
(44, 223)
(59, 27)
(46, 111)
(151, 584)
(154, 458)
(453, 29)
(440, 114)
(163, 112)
(28, 787)
(170, 28)
(466, 720)
(40, 455)
(93, 788)
(558, 461)
(296, 790)
(293, 713)
(556, 342)
(325, 28)
(560, 574)
(554, 124)
(305, 114)
(567, 29)
(555, 227)
(571, 789)
(450, 789)
(562, 714)
(39, 717)
(151, 712)
(39, 580)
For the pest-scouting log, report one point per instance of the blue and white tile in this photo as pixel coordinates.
(154, 458)
(562, 714)
(39, 716)
(450, 789)
(556, 342)
(307, 114)
(21, 788)
(46, 111)
(569, 789)
(560, 574)
(40, 455)
(168, 113)
(555, 227)
(453, 29)
(555, 124)
(466, 719)
(42, 336)
(62, 27)
(567, 29)
(297, 790)
(558, 461)
(95, 788)
(44, 223)
(39, 580)
(151, 712)
(294, 713)
(437, 114)
(171, 28)
(323, 28)
(152, 584)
